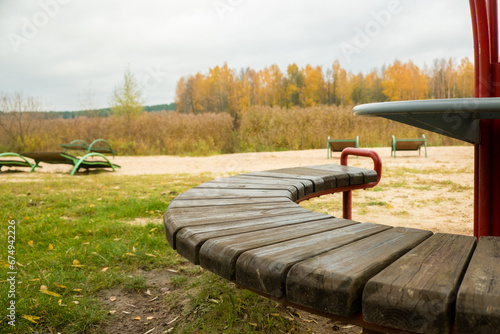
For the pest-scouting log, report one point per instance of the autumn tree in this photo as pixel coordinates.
(314, 85)
(465, 78)
(270, 89)
(341, 90)
(19, 118)
(404, 81)
(126, 100)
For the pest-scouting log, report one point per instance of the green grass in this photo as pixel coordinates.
(77, 236)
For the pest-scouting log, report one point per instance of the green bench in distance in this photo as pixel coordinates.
(408, 145)
(338, 145)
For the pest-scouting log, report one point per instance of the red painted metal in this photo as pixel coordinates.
(377, 166)
(347, 191)
(484, 15)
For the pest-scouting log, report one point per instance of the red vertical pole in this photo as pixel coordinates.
(487, 79)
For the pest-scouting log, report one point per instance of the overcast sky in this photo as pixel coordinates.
(60, 50)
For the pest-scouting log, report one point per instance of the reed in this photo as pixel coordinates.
(259, 128)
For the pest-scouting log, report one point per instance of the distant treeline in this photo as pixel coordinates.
(260, 128)
(104, 112)
(223, 89)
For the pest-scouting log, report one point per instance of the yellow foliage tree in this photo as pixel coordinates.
(404, 81)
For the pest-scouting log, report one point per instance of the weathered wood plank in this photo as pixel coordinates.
(333, 282)
(329, 180)
(265, 269)
(312, 184)
(356, 175)
(478, 301)
(204, 193)
(245, 179)
(175, 219)
(307, 184)
(229, 184)
(220, 255)
(193, 203)
(189, 240)
(418, 292)
(369, 175)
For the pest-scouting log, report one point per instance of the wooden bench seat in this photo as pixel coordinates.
(408, 145)
(338, 145)
(249, 230)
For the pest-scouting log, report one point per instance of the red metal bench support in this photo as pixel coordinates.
(377, 166)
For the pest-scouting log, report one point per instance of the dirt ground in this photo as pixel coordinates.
(414, 203)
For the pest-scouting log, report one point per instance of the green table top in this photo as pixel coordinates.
(457, 118)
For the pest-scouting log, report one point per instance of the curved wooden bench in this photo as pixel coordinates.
(249, 229)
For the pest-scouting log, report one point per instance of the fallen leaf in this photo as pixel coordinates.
(136, 318)
(150, 255)
(60, 286)
(148, 292)
(43, 288)
(252, 324)
(60, 303)
(149, 318)
(76, 302)
(77, 290)
(113, 298)
(125, 312)
(77, 264)
(105, 268)
(30, 243)
(112, 311)
(51, 247)
(92, 205)
(153, 229)
(128, 254)
(51, 293)
(31, 318)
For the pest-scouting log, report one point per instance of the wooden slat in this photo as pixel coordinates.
(220, 255)
(264, 269)
(355, 175)
(369, 175)
(245, 179)
(175, 219)
(202, 193)
(478, 301)
(417, 292)
(193, 203)
(408, 145)
(312, 184)
(189, 240)
(333, 282)
(229, 184)
(329, 180)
